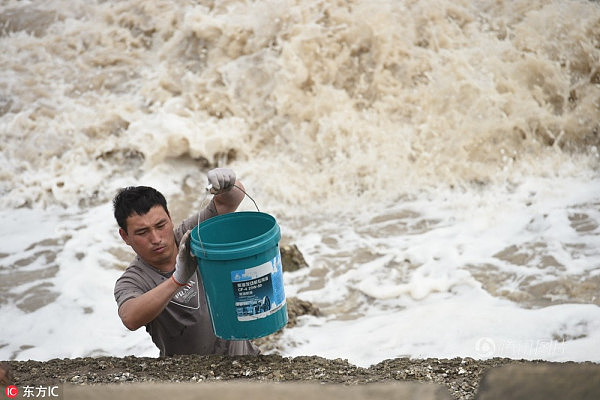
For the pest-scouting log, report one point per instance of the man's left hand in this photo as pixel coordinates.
(221, 179)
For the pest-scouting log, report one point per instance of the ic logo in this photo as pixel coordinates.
(12, 391)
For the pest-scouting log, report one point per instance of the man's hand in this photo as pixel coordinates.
(221, 180)
(185, 266)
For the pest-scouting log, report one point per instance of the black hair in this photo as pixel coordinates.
(136, 200)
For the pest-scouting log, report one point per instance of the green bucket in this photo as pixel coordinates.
(240, 265)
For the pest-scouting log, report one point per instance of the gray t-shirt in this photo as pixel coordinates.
(184, 326)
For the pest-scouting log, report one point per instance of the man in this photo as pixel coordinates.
(161, 289)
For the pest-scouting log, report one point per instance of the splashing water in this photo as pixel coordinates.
(436, 162)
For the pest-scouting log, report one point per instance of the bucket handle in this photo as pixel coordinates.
(209, 190)
(247, 195)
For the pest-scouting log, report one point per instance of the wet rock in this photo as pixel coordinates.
(291, 258)
(298, 308)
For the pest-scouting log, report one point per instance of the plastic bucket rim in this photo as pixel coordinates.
(219, 218)
(239, 242)
(208, 250)
(233, 250)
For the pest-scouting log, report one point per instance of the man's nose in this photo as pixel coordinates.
(154, 236)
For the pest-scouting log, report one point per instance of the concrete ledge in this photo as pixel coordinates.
(568, 381)
(408, 378)
(257, 391)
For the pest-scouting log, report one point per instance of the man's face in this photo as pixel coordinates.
(151, 237)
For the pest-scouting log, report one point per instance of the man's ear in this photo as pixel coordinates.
(124, 235)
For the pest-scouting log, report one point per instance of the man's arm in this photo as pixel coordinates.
(139, 311)
(229, 201)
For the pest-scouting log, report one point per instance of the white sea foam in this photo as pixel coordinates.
(460, 325)
(426, 293)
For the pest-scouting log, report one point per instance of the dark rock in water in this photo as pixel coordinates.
(291, 258)
(298, 308)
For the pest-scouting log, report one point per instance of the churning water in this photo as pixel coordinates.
(436, 162)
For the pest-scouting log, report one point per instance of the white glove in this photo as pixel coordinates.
(185, 266)
(220, 180)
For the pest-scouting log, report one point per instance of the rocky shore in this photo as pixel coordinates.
(460, 376)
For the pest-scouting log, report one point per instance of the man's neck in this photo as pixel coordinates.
(163, 267)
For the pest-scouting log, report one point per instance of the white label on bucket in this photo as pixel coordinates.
(258, 291)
